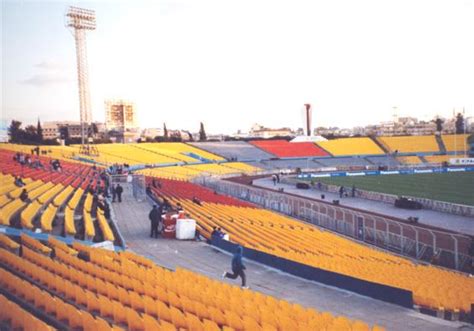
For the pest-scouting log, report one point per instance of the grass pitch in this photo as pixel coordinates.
(451, 187)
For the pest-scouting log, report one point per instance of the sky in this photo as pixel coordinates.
(230, 64)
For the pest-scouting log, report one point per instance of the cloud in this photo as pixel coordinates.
(46, 80)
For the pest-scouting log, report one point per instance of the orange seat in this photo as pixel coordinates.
(164, 312)
(150, 323)
(135, 321)
(217, 316)
(177, 318)
(210, 325)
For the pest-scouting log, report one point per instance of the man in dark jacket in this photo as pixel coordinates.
(237, 268)
(119, 191)
(24, 196)
(114, 192)
(155, 217)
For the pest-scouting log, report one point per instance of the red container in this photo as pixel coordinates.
(169, 226)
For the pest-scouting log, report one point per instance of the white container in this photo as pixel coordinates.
(185, 228)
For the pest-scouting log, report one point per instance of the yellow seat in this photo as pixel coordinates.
(150, 323)
(210, 325)
(135, 321)
(177, 317)
(120, 313)
(8, 243)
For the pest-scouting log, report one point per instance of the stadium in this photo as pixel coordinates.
(103, 230)
(68, 264)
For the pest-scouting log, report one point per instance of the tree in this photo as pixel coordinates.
(30, 134)
(190, 136)
(15, 132)
(39, 132)
(202, 133)
(439, 124)
(165, 132)
(459, 123)
(175, 137)
(95, 129)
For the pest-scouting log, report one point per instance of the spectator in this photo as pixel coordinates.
(197, 201)
(24, 195)
(166, 205)
(19, 182)
(237, 268)
(341, 191)
(114, 192)
(155, 217)
(353, 192)
(221, 234)
(274, 179)
(100, 196)
(119, 191)
(214, 233)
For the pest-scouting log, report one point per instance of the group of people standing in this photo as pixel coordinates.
(343, 192)
(116, 191)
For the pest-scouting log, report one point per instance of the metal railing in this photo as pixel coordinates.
(435, 246)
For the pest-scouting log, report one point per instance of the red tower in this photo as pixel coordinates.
(308, 118)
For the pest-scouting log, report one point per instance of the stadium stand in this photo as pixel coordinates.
(54, 152)
(128, 153)
(269, 232)
(15, 317)
(409, 160)
(344, 162)
(234, 150)
(351, 146)
(181, 151)
(132, 154)
(283, 148)
(122, 290)
(189, 191)
(385, 160)
(49, 195)
(455, 143)
(190, 171)
(291, 164)
(174, 172)
(438, 158)
(410, 144)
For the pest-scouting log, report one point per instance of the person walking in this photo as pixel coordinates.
(237, 268)
(154, 216)
(114, 192)
(119, 191)
(341, 191)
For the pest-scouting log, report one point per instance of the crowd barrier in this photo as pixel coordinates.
(441, 206)
(435, 246)
(381, 292)
(382, 172)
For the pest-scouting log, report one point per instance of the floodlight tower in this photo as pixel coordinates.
(80, 20)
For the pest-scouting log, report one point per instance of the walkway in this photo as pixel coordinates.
(132, 218)
(461, 224)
